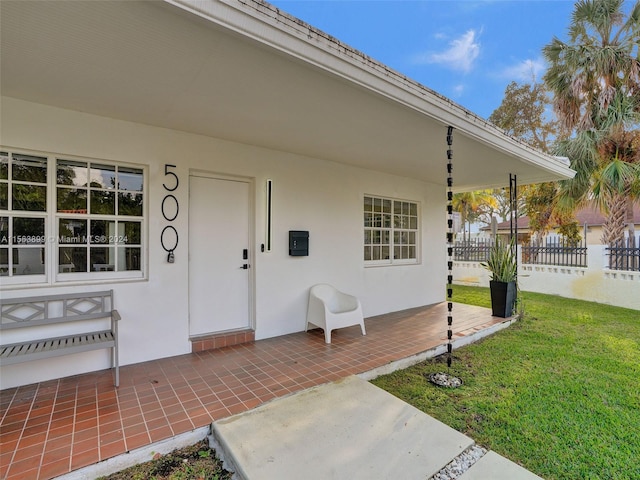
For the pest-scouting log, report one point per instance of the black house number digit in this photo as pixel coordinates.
(170, 209)
(172, 174)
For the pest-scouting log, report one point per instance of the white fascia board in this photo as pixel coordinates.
(266, 24)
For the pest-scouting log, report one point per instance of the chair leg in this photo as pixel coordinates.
(362, 328)
(327, 335)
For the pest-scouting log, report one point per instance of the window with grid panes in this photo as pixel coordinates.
(99, 212)
(390, 231)
(81, 219)
(23, 214)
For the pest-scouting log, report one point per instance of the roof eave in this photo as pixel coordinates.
(267, 24)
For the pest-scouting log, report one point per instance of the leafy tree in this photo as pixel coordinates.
(570, 231)
(539, 207)
(595, 79)
(503, 203)
(523, 114)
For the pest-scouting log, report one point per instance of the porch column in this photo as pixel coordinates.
(449, 243)
(513, 214)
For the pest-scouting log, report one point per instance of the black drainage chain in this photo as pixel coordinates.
(449, 244)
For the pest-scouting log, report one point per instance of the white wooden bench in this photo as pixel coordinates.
(33, 312)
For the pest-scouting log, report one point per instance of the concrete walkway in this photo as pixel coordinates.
(349, 429)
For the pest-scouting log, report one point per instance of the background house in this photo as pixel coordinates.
(166, 150)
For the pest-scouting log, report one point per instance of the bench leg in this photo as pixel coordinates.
(116, 365)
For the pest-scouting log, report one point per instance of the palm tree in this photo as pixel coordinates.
(595, 79)
(471, 205)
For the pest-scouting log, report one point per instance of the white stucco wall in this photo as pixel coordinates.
(308, 194)
(594, 283)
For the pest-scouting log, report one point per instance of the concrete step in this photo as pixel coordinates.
(348, 429)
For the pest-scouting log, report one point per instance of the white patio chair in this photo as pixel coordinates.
(329, 309)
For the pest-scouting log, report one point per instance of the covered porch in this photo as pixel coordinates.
(54, 427)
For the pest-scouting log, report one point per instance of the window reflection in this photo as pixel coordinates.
(102, 176)
(103, 202)
(130, 204)
(131, 259)
(72, 231)
(4, 196)
(102, 259)
(28, 261)
(28, 231)
(4, 177)
(72, 173)
(72, 200)
(132, 232)
(130, 179)
(4, 230)
(72, 259)
(4, 262)
(30, 198)
(4, 166)
(27, 168)
(102, 231)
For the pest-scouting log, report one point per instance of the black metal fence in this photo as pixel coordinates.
(624, 255)
(475, 250)
(555, 251)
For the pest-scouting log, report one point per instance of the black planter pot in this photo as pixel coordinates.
(503, 297)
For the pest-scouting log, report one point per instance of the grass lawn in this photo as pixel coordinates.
(558, 392)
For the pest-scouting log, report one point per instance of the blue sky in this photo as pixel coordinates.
(467, 50)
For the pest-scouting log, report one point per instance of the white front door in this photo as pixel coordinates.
(219, 214)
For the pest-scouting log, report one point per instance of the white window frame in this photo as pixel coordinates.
(52, 275)
(391, 224)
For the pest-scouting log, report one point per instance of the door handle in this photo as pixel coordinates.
(245, 266)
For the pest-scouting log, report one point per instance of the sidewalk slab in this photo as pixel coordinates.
(495, 467)
(349, 429)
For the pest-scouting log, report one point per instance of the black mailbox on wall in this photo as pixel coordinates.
(298, 243)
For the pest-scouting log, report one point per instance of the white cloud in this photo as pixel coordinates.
(525, 71)
(460, 55)
(458, 90)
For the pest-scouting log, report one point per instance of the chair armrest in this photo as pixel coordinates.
(346, 302)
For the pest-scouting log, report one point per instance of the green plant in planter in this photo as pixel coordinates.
(503, 265)
(502, 261)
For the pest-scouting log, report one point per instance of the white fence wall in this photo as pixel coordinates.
(594, 283)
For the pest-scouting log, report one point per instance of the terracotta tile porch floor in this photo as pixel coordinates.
(51, 428)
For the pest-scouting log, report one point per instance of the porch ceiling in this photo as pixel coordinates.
(244, 72)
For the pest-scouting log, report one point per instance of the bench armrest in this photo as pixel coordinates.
(115, 315)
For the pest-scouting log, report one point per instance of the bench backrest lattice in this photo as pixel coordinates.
(50, 309)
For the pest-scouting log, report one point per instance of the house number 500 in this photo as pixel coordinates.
(170, 210)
